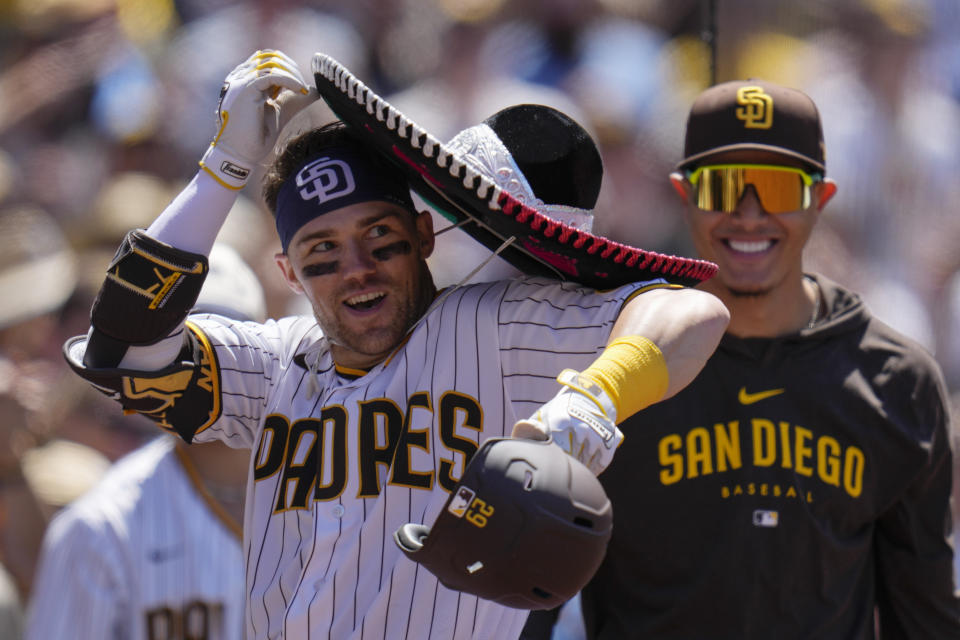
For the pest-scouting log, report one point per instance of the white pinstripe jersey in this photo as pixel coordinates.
(336, 472)
(140, 557)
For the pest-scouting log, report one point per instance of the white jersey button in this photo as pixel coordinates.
(337, 510)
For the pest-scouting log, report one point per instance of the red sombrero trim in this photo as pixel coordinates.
(495, 198)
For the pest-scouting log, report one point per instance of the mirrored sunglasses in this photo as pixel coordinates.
(720, 187)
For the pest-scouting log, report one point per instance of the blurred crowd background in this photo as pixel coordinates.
(106, 106)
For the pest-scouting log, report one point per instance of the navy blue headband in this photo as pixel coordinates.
(334, 178)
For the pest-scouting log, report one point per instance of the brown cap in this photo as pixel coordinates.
(754, 114)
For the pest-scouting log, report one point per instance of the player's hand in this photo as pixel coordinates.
(581, 419)
(257, 99)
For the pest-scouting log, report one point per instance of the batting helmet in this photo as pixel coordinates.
(527, 526)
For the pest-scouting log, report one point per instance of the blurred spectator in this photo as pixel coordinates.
(210, 46)
(36, 277)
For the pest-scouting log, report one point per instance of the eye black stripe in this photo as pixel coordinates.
(319, 269)
(401, 247)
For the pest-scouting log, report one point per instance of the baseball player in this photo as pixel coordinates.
(800, 486)
(361, 418)
(153, 552)
(147, 554)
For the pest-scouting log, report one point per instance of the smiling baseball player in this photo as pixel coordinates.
(362, 417)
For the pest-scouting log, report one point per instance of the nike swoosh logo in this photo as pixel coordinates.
(750, 398)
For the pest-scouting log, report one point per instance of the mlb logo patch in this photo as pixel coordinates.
(764, 518)
(460, 502)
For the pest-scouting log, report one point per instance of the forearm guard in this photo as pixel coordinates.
(149, 289)
(183, 398)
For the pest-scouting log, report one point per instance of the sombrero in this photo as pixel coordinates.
(531, 235)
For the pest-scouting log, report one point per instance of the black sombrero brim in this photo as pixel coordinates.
(541, 246)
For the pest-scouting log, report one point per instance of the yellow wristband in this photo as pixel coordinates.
(633, 372)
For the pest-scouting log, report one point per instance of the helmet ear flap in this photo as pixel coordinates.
(410, 538)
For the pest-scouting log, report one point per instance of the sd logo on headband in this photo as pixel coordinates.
(325, 179)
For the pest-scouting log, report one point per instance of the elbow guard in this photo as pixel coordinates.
(149, 290)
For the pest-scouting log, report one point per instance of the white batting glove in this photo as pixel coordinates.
(581, 419)
(257, 99)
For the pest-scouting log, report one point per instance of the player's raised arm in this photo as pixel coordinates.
(659, 343)
(138, 349)
(154, 279)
